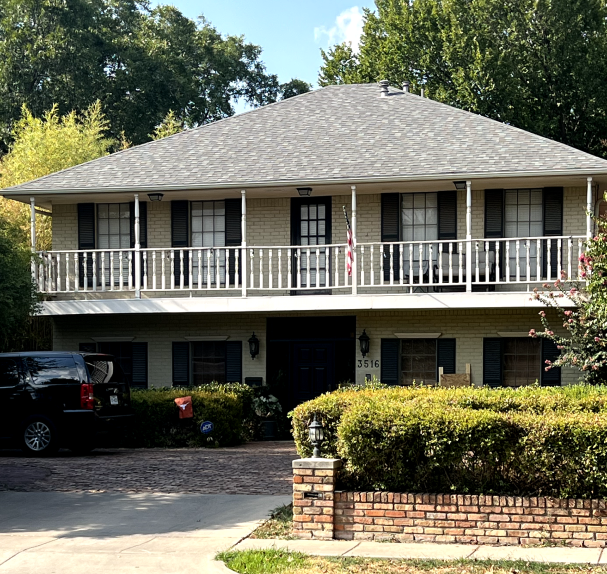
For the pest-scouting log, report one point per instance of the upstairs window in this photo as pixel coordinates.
(209, 230)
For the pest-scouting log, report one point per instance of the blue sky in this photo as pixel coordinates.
(290, 33)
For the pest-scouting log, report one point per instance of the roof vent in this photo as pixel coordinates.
(383, 87)
(423, 93)
(406, 86)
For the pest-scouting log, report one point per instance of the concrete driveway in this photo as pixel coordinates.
(94, 533)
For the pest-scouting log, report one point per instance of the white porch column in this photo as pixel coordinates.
(137, 250)
(243, 233)
(354, 266)
(468, 236)
(589, 208)
(33, 235)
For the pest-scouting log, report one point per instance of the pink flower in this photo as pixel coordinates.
(532, 333)
(596, 340)
(548, 362)
(568, 313)
(542, 313)
(595, 368)
(570, 321)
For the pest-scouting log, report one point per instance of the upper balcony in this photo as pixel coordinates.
(411, 250)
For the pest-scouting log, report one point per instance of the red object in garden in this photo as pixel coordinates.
(185, 407)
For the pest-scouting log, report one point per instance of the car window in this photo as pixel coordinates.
(53, 370)
(9, 373)
(104, 370)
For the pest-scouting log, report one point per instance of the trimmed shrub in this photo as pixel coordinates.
(157, 422)
(530, 441)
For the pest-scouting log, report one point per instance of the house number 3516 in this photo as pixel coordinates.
(366, 363)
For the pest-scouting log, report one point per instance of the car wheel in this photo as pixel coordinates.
(39, 437)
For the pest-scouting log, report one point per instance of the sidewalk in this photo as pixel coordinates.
(428, 550)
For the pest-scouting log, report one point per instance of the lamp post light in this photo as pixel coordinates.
(317, 436)
(364, 343)
(253, 346)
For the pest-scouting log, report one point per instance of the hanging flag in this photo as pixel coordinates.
(350, 245)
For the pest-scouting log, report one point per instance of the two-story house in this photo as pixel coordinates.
(220, 253)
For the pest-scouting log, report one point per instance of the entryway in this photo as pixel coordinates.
(308, 356)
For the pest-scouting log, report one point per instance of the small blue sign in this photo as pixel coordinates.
(206, 427)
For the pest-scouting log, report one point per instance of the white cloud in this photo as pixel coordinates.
(348, 28)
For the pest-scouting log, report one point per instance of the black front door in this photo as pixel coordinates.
(312, 370)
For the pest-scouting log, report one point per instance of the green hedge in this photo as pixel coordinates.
(549, 441)
(157, 422)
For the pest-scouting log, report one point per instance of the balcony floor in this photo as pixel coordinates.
(302, 303)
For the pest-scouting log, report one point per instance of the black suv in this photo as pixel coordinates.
(53, 399)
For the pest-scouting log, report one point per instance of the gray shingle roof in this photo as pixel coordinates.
(334, 134)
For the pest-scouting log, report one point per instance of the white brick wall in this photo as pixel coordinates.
(268, 220)
(159, 331)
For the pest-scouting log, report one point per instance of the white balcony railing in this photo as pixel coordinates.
(408, 266)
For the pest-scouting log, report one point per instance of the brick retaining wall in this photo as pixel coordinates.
(321, 512)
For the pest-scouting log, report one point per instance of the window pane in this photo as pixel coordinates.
(102, 210)
(407, 200)
(407, 217)
(419, 216)
(313, 211)
(321, 211)
(418, 361)
(304, 212)
(432, 216)
(196, 207)
(431, 200)
(52, 370)
(9, 373)
(114, 210)
(419, 200)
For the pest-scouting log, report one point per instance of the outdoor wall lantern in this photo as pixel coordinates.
(304, 191)
(253, 346)
(317, 436)
(459, 184)
(155, 196)
(364, 343)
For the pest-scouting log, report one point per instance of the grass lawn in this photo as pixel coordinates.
(278, 561)
(279, 524)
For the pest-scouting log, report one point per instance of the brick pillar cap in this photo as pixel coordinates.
(318, 463)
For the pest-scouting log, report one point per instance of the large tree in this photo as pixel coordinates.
(538, 64)
(139, 62)
(43, 145)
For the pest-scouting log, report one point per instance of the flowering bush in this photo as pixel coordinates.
(585, 316)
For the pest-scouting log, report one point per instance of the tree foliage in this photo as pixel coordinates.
(537, 64)
(44, 145)
(140, 62)
(17, 292)
(584, 344)
(170, 125)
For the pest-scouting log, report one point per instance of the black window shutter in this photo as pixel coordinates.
(234, 362)
(492, 362)
(389, 361)
(180, 237)
(140, 365)
(447, 215)
(87, 347)
(143, 224)
(86, 240)
(233, 234)
(553, 225)
(551, 378)
(181, 364)
(390, 231)
(445, 356)
(494, 213)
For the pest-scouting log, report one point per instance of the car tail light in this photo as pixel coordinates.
(86, 396)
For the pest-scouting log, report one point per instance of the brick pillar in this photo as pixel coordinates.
(313, 496)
